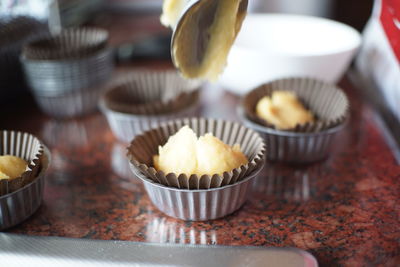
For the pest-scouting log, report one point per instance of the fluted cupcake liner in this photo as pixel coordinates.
(199, 205)
(147, 99)
(17, 206)
(126, 126)
(25, 146)
(62, 76)
(327, 102)
(72, 43)
(145, 146)
(306, 143)
(151, 93)
(294, 147)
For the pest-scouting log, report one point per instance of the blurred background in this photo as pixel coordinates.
(76, 12)
(124, 19)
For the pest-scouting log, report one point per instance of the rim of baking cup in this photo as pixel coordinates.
(72, 43)
(144, 146)
(327, 102)
(156, 93)
(27, 147)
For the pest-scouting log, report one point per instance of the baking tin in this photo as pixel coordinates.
(327, 102)
(198, 205)
(145, 146)
(21, 204)
(26, 147)
(149, 92)
(72, 43)
(294, 147)
(126, 126)
(68, 72)
(197, 198)
(47, 77)
(146, 99)
(305, 143)
(76, 103)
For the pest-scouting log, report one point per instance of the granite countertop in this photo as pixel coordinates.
(345, 210)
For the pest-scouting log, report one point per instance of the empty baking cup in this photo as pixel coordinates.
(71, 43)
(196, 197)
(68, 88)
(305, 143)
(22, 196)
(147, 99)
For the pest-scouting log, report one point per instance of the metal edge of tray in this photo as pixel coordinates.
(21, 250)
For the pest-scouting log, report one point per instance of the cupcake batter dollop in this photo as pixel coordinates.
(184, 153)
(12, 167)
(283, 110)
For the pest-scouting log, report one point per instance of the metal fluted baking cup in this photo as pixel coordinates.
(26, 147)
(294, 147)
(327, 102)
(198, 205)
(126, 126)
(149, 92)
(19, 205)
(146, 99)
(70, 43)
(63, 76)
(143, 148)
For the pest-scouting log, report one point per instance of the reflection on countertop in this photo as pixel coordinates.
(343, 210)
(163, 230)
(286, 182)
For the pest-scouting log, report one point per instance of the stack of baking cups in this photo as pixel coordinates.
(68, 71)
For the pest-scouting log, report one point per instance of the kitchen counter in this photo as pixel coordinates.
(345, 210)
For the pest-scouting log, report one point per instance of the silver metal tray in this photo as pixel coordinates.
(19, 250)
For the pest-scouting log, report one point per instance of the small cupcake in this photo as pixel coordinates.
(197, 169)
(298, 117)
(146, 99)
(67, 72)
(23, 163)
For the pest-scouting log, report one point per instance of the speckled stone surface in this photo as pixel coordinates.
(345, 210)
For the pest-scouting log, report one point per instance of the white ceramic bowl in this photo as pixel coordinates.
(273, 46)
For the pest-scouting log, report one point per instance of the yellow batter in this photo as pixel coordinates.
(185, 153)
(11, 167)
(203, 39)
(283, 110)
